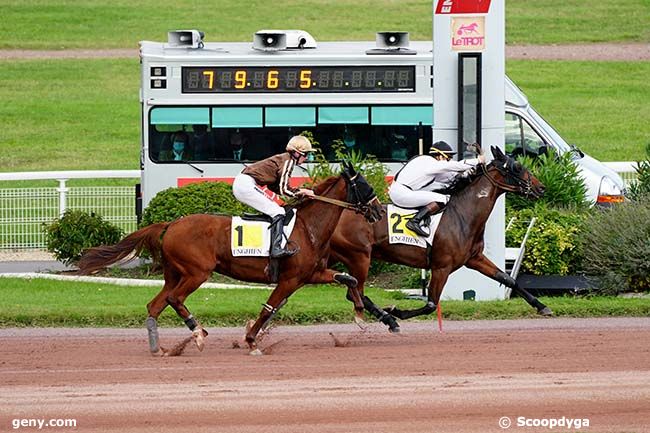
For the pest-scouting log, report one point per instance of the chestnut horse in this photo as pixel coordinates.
(192, 247)
(458, 240)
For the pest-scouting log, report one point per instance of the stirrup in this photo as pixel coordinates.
(416, 228)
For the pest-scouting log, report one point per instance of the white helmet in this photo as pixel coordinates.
(300, 144)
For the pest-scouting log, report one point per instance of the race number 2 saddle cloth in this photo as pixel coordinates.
(398, 233)
(250, 235)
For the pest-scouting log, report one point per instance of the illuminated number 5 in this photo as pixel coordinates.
(305, 79)
(398, 219)
(210, 75)
(272, 81)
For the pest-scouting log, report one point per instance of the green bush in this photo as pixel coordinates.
(203, 197)
(559, 174)
(553, 246)
(616, 245)
(640, 188)
(67, 237)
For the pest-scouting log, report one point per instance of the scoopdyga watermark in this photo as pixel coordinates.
(549, 423)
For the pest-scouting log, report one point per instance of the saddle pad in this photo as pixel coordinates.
(253, 238)
(399, 234)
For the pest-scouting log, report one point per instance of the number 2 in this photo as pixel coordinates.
(398, 220)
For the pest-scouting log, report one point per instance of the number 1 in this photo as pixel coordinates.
(240, 235)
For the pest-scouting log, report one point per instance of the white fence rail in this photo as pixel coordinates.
(25, 211)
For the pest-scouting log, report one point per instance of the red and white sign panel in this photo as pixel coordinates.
(463, 6)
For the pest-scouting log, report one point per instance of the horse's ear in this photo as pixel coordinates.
(497, 152)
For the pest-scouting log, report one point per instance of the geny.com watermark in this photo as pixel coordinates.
(42, 423)
(550, 423)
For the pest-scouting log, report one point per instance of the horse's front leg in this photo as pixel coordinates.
(483, 265)
(277, 300)
(327, 276)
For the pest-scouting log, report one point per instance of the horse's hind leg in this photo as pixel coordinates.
(155, 307)
(176, 299)
(485, 266)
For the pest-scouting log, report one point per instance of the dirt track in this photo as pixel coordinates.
(464, 380)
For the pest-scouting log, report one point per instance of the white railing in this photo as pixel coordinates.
(25, 211)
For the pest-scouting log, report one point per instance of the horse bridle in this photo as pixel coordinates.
(517, 185)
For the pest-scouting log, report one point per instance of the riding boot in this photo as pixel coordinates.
(414, 224)
(277, 251)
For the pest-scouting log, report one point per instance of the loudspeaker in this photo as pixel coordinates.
(392, 40)
(185, 38)
(270, 41)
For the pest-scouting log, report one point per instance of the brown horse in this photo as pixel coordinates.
(458, 240)
(192, 247)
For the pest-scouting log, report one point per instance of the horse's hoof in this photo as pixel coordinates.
(199, 339)
(546, 312)
(256, 352)
(394, 330)
(360, 323)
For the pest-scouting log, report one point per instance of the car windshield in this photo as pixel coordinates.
(562, 145)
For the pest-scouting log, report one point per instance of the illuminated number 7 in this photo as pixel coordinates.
(305, 79)
(210, 75)
(240, 235)
(398, 220)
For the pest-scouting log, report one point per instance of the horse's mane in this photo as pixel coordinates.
(319, 189)
(462, 182)
(323, 186)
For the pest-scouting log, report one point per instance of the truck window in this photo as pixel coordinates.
(521, 138)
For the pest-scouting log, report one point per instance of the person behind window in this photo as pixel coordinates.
(273, 172)
(417, 183)
(237, 142)
(180, 150)
(201, 142)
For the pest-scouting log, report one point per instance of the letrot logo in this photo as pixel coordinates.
(468, 34)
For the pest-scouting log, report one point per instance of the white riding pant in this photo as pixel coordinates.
(248, 192)
(403, 196)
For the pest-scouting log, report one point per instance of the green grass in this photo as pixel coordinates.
(57, 24)
(602, 107)
(40, 302)
(69, 115)
(84, 114)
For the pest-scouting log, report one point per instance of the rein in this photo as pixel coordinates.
(343, 204)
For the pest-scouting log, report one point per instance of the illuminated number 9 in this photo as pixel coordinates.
(305, 79)
(272, 81)
(240, 79)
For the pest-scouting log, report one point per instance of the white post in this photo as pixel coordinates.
(62, 196)
(476, 26)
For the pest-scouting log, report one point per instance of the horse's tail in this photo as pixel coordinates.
(148, 238)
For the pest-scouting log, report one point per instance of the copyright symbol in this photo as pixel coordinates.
(504, 422)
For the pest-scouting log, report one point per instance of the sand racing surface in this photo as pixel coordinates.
(464, 380)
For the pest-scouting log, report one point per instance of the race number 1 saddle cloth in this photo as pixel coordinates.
(399, 234)
(251, 237)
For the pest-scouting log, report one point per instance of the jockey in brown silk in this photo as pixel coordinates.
(273, 172)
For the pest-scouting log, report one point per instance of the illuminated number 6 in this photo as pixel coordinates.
(272, 81)
(305, 79)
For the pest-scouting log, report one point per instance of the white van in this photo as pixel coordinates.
(528, 133)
